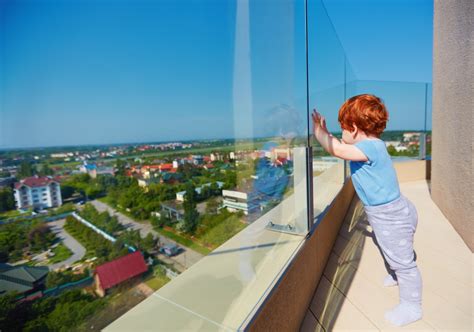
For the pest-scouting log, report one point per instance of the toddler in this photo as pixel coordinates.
(392, 216)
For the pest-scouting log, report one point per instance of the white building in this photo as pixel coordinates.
(37, 192)
(235, 201)
(407, 137)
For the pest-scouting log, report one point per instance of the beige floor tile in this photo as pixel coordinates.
(310, 324)
(455, 293)
(443, 316)
(370, 299)
(440, 281)
(446, 265)
(335, 312)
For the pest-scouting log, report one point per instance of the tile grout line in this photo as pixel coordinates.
(424, 261)
(365, 277)
(311, 311)
(344, 295)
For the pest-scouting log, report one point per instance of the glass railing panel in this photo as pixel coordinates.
(185, 120)
(329, 73)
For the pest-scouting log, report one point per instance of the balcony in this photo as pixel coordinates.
(350, 294)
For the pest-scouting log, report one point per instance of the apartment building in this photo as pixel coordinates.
(37, 192)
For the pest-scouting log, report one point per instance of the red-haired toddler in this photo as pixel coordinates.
(392, 216)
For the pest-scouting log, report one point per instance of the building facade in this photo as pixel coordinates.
(37, 192)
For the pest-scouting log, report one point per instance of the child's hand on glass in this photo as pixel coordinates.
(319, 121)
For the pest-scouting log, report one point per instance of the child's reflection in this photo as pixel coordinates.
(272, 177)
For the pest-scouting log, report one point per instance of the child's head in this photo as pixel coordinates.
(365, 111)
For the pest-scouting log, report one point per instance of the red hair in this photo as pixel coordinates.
(366, 111)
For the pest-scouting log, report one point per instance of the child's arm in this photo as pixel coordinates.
(331, 144)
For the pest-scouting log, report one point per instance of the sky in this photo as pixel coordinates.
(116, 71)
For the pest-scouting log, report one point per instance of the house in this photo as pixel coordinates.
(25, 280)
(170, 177)
(148, 171)
(172, 210)
(197, 159)
(113, 273)
(145, 182)
(7, 182)
(93, 170)
(38, 192)
(180, 194)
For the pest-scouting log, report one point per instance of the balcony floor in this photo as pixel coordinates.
(350, 295)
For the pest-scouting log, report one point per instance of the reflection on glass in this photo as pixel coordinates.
(176, 128)
(331, 81)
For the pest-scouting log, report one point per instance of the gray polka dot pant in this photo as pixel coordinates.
(394, 225)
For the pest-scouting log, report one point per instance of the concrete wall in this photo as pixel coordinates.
(453, 91)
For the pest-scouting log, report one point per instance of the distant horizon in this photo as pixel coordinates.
(3, 149)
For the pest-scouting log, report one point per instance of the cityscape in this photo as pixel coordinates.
(70, 215)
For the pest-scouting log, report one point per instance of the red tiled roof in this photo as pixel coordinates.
(124, 268)
(35, 181)
(164, 166)
(151, 167)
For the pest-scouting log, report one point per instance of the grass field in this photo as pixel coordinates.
(158, 280)
(61, 253)
(117, 305)
(12, 214)
(185, 241)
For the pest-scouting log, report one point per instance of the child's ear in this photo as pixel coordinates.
(354, 130)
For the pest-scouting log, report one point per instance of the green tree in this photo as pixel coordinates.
(8, 312)
(391, 150)
(120, 167)
(67, 191)
(4, 174)
(45, 170)
(7, 201)
(215, 191)
(26, 170)
(205, 193)
(149, 242)
(211, 206)
(191, 215)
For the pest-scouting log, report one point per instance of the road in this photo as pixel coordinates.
(77, 249)
(186, 258)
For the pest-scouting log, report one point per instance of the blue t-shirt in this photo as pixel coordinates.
(375, 180)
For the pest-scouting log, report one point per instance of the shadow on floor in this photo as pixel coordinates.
(341, 267)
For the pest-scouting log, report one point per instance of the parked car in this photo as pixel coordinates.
(170, 249)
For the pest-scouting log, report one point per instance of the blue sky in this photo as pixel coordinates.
(107, 71)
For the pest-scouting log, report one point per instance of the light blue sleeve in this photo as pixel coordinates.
(368, 148)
